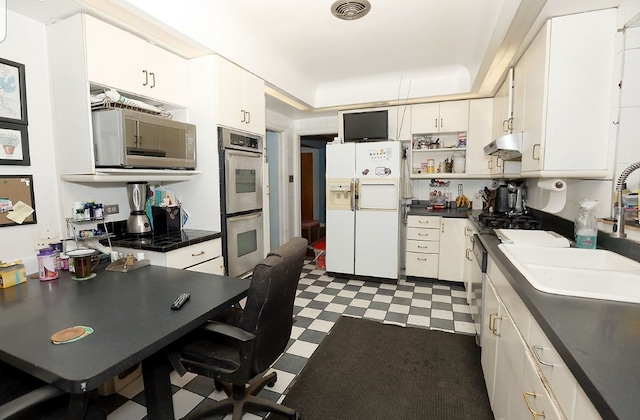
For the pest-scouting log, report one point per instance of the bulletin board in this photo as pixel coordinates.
(16, 193)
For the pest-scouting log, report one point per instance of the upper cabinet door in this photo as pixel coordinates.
(425, 118)
(241, 100)
(115, 58)
(454, 116)
(122, 61)
(443, 117)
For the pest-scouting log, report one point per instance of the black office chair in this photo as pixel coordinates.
(238, 347)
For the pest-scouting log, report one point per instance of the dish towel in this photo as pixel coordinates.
(407, 190)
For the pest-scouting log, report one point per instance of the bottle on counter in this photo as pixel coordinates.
(586, 225)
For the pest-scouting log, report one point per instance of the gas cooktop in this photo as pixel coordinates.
(508, 221)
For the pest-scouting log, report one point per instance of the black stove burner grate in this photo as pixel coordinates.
(505, 221)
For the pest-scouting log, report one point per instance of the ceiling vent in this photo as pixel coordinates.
(350, 10)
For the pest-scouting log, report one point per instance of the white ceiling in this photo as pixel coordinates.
(416, 50)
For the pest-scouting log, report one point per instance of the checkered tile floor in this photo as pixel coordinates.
(321, 300)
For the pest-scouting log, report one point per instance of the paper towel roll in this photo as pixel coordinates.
(557, 194)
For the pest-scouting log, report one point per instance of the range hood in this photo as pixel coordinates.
(507, 147)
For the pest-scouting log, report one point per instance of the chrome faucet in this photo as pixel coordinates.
(618, 222)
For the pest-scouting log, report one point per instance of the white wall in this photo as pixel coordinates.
(26, 43)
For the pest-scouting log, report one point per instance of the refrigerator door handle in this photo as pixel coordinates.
(354, 194)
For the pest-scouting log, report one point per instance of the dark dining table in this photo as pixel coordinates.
(132, 322)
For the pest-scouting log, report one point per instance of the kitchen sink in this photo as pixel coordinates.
(590, 273)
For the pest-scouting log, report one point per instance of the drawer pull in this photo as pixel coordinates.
(534, 413)
(492, 323)
(423, 246)
(426, 222)
(422, 259)
(534, 350)
(198, 254)
(423, 234)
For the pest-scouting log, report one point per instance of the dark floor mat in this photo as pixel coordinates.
(366, 370)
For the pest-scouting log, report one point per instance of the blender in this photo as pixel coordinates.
(138, 222)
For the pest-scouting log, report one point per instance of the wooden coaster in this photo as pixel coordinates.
(67, 334)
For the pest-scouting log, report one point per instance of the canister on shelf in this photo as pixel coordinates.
(431, 166)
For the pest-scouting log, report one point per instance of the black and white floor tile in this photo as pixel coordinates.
(320, 301)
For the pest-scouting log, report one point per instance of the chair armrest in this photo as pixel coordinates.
(29, 400)
(228, 330)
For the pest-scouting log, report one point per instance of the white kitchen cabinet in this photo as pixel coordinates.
(480, 133)
(204, 257)
(523, 372)
(423, 245)
(469, 269)
(443, 117)
(240, 98)
(120, 60)
(503, 107)
(452, 249)
(567, 97)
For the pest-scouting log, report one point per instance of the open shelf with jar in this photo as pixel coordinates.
(441, 154)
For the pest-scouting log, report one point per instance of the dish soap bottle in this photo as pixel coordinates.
(586, 225)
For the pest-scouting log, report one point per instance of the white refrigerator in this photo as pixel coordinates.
(363, 208)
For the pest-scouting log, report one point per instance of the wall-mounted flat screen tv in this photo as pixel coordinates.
(366, 126)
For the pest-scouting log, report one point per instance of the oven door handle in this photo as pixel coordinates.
(248, 216)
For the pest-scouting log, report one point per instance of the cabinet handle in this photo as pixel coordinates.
(441, 124)
(244, 115)
(498, 160)
(426, 222)
(534, 413)
(423, 234)
(422, 259)
(535, 350)
(153, 80)
(198, 254)
(533, 151)
(490, 164)
(436, 123)
(442, 228)
(467, 254)
(492, 323)
(146, 78)
(422, 246)
(248, 118)
(467, 232)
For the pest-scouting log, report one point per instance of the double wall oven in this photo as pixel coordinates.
(241, 200)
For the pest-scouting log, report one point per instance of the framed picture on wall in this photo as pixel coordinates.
(13, 94)
(14, 144)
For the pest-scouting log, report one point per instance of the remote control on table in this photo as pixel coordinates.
(181, 300)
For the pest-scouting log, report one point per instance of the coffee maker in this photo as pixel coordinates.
(509, 198)
(138, 222)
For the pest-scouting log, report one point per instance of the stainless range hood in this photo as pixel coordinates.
(507, 147)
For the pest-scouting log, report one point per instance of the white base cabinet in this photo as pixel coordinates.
(436, 247)
(524, 375)
(204, 257)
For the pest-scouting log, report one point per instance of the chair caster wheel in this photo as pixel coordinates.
(270, 384)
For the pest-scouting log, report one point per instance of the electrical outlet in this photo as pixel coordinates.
(41, 243)
(111, 208)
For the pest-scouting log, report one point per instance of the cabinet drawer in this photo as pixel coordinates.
(214, 266)
(419, 234)
(422, 265)
(194, 254)
(560, 379)
(425, 247)
(424, 221)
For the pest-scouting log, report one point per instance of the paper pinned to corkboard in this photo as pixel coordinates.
(17, 200)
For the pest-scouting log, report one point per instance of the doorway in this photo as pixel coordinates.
(312, 181)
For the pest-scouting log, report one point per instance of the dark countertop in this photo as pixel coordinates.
(598, 340)
(167, 241)
(419, 208)
(129, 313)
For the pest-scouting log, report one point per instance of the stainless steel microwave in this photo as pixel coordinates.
(123, 138)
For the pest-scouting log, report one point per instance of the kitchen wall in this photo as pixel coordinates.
(26, 43)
